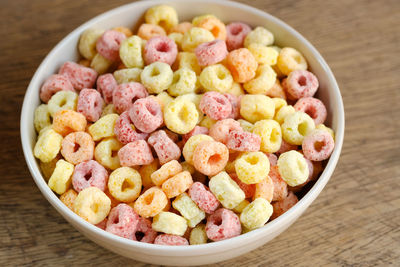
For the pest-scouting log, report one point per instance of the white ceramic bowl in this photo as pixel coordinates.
(228, 11)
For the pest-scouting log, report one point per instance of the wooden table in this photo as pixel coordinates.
(355, 220)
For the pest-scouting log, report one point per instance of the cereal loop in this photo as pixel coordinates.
(90, 104)
(124, 95)
(210, 157)
(92, 205)
(236, 33)
(89, 173)
(79, 76)
(122, 221)
(125, 184)
(160, 48)
(54, 84)
(108, 44)
(146, 114)
(313, 107)
(125, 131)
(242, 65)
(106, 84)
(215, 105)
(318, 145)
(151, 202)
(135, 153)
(77, 147)
(177, 184)
(223, 224)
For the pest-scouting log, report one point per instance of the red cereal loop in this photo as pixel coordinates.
(243, 141)
(106, 84)
(223, 224)
(285, 147)
(301, 83)
(280, 186)
(125, 94)
(108, 44)
(160, 48)
(203, 197)
(235, 102)
(313, 107)
(102, 225)
(144, 233)
(165, 148)
(77, 147)
(215, 105)
(122, 221)
(318, 145)
(284, 205)
(90, 104)
(79, 76)
(220, 130)
(236, 33)
(196, 130)
(135, 153)
(248, 189)
(273, 159)
(53, 84)
(171, 240)
(146, 114)
(89, 174)
(210, 157)
(211, 52)
(125, 132)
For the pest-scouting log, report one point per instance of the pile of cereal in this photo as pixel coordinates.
(188, 137)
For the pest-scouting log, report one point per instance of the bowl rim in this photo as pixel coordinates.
(201, 249)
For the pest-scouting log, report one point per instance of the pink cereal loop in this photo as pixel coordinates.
(313, 107)
(53, 84)
(196, 130)
(108, 44)
(220, 130)
(106, 84)
(236, 33)
(125, 132)
(89, 174)
(160, 48)
(165, 148)
(146, 114)
(203, 197)
(90, 104)
(135, 153)
(215, 105)
(122, 221)
(243, 141)
(125, 94)
(223, 224)
(301, 83)
(77, 147)
(144, 233)
(171, 240)
(211, 52)
(280, 186)
(79, 76)
(318, 145)
(235, 103)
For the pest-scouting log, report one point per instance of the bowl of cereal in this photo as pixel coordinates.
(182, 136)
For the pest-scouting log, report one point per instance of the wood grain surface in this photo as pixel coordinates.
(356, 219)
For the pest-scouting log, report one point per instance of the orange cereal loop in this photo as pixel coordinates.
(68, 198)
(215, 26)
(77, 147)
(181, 27)
(151, 202)
(68, 121)
(85, 62)
(177, 184)
(148, 31)
(264, 189)
(210, 157)
(242, 65)
(166, 171)
(124, 30)
(277, 90)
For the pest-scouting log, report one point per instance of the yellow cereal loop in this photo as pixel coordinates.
(216, 78)
(236, 89)
(62, 100)
(177, 37)
(106, 151)
(195, 36)
(92, 204)
(156, 77)
(195, 98)
(226, 190)
(207, 122)
(191, 144)
(283, 112)
(103, 127)
(293, 168)
(164, 98)
(270, 133)
(165, 172)
(262, 82)
(169, 223)
(188, 60)
(279, 103)
(60, 180)
(263, 54)
(198, 19)
(163, 16)
(47, 168)
(87, 43)
(239, 208)
(276, 48)
(259, 35)
(256, 214)
(180, 116)
(125, 184)
(329, 130)
(146, 171)
(127, 75)
(108, 109)
(183, 82)
(290, 59)
(188, 209)
(256, 107)
(198, 235)
(252, 167)
(42, 117)
(48, 145)
(130, 52)
(296, 127)
(247, 126)
(100, 64)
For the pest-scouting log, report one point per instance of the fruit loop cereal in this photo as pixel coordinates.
(181, 132)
